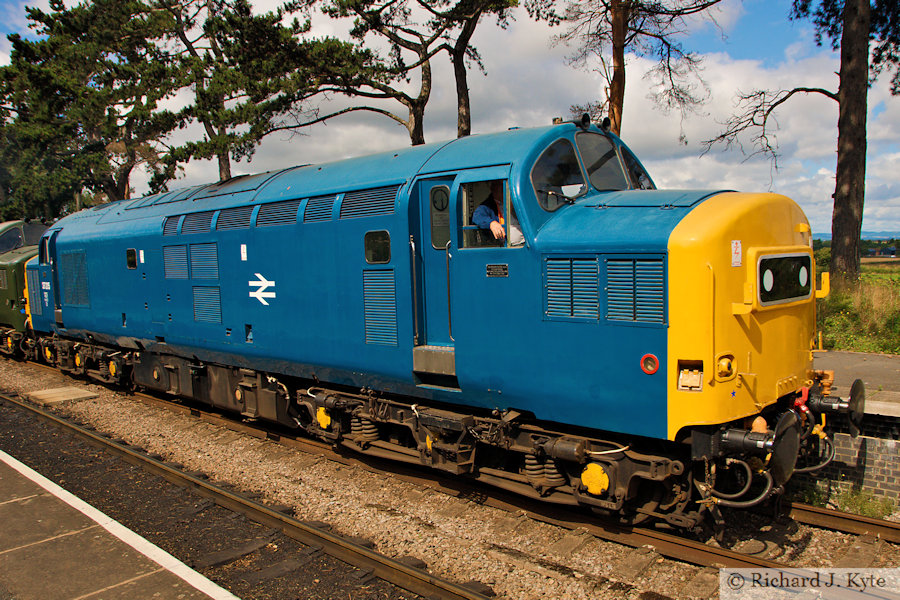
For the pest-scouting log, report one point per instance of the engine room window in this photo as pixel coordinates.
(601, 162)
(557, 175)
(485, 218)
(440, 216)
(131, 258)
(378, 247)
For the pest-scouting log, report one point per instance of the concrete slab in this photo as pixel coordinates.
(636, 562)
(161, 585)
(71, 566)
(880, 372)
(570, 543)
(861, 554)
(883, 403)
(32, 520)
(13, 486)
(704, 584)
(59, 395)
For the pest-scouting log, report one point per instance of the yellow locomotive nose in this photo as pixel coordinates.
(742, 308)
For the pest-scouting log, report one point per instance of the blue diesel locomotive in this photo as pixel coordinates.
(643, 352)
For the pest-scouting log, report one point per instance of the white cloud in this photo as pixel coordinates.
(528, 83)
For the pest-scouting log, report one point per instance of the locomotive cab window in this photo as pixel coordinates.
(378, 247)
(640, 180)
(557, 177)
(489, 217)
(10, 240)
(131, 258)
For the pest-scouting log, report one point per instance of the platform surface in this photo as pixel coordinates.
(880, 373)
(54, 546)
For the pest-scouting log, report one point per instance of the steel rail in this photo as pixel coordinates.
(837, 520)
(409, 578)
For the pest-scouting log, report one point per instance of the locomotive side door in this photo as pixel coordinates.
(433, 354)
(49, 272)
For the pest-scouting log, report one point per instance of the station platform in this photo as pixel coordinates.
(55, 546)
(880, 373)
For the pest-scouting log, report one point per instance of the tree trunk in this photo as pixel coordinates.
(850, 176)
(619, 15)
(224, 166)
(463, 108)
(416, 106)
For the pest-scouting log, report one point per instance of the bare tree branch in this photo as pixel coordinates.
(756, 117)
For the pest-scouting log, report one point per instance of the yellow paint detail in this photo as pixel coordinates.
(27, 296)
(77, 360)
(113, 368)
(825, 288)
(9, 342)
(428, 442)
(714, 309)
(323, 418)
(48, 353)
(595, 479)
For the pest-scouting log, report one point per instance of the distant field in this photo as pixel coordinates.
(880, 270)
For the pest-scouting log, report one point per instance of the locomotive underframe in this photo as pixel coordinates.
(507, 450)
(633, 478)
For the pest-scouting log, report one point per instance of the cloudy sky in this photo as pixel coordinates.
(528, 82)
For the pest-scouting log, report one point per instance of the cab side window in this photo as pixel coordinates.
(488, 217)
(44, 251)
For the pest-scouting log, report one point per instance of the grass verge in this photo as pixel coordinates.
(863, 316)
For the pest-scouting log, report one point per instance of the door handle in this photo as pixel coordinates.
(449, 317)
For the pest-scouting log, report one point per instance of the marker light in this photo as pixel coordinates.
(649, 364)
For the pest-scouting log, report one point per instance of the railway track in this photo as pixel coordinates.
(836, 520)
(403, 575)
(666, 544)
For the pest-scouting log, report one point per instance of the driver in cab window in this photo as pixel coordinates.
(490, 216)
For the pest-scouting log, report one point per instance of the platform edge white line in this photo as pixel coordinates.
(148, 549)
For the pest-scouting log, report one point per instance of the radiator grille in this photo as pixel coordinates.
(3, 283)
(197, 222)
(318, 209)
(367, 203)
(635, 290)
(278, 213)
(204, 261)
(380, 307)
(175, 262)
(73, 268)
(171, 226)
(34, 293)
(234, 218)
(572, 288)
(207, 305)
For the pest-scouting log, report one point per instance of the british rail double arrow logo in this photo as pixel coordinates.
(260, 293)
